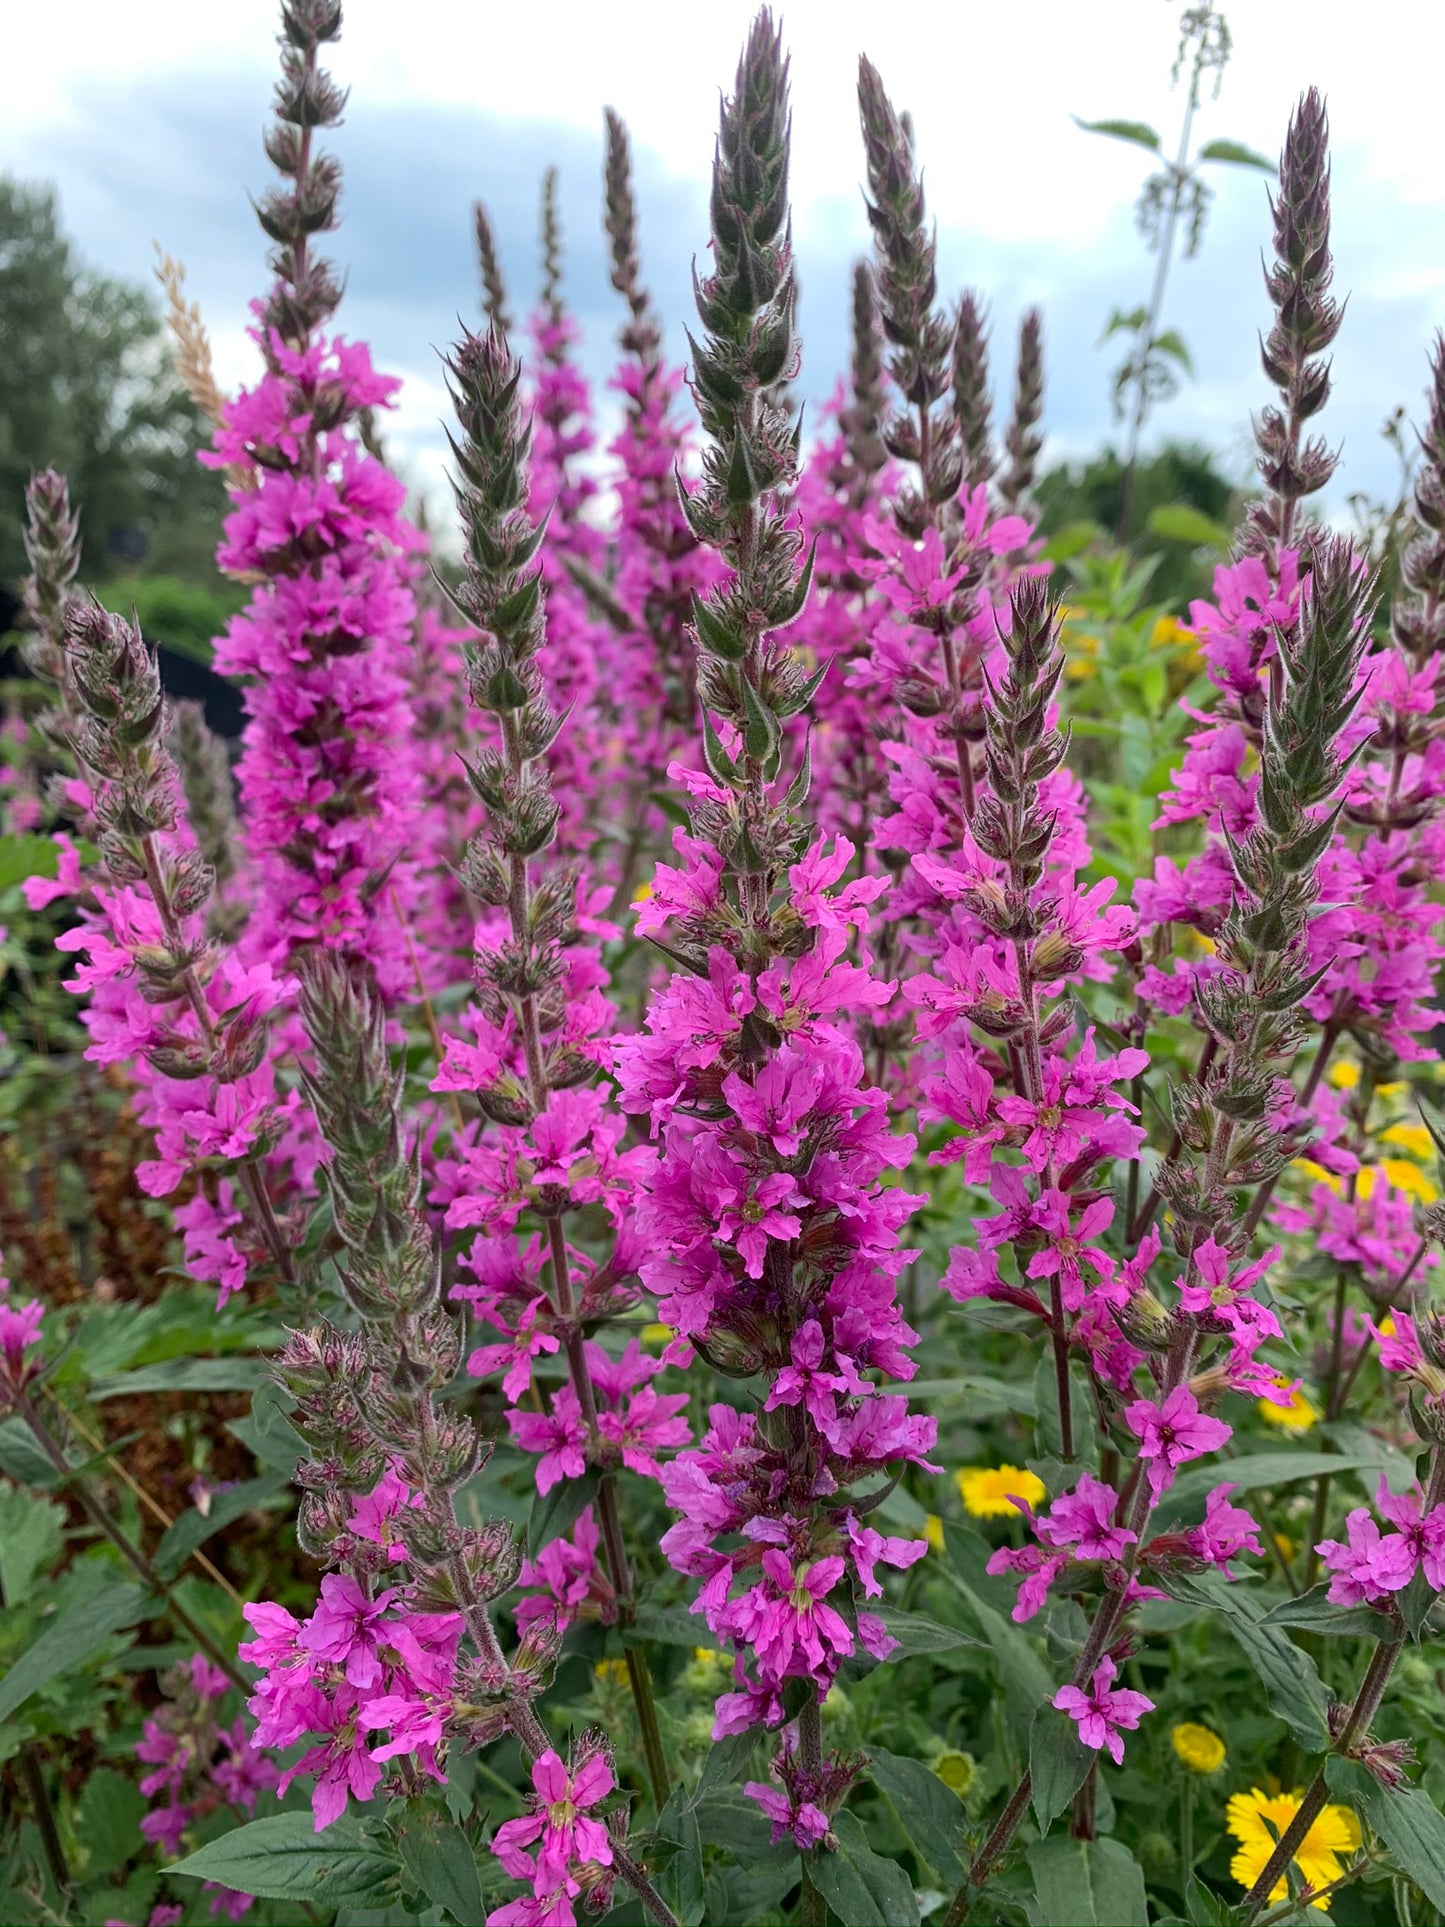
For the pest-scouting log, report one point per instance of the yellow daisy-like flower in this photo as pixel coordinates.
(933, 1531)
(1335, 1832)
(1296, 1416)
(610, 1670)
(1409, 1178)
(1167, 631)
(642, 893)
(1412, 1138)
(1317, 1174)
(1344, 1076)
(989, 1491)
(1198, 1747)
(1389, 1091)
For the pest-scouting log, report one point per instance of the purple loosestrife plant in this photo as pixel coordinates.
(774, 1244)
(327, 776)
(187, 1016)
(402, 1641)
(549, 1147)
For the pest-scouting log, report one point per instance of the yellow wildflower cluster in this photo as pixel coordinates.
(988, 1491)
(1257, 1819)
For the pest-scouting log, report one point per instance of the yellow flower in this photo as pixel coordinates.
(654, 1337)
(1167, 631)
(989, 1491)
(1285, 1544)
(1317, 1174)
(1409, 1178)
(1200, 1749)
(642, 893)
(613, 1671)
(933, 1531)
(1413, 1138)
(1079, 654)
(1344, 1076)
(1336, 1831)
(705, 1655)
(1298, 1415)
(1387, 1325)
(1387, 1091)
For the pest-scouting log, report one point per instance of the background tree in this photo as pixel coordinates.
(86, 385)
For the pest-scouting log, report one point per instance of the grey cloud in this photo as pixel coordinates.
(172, 156)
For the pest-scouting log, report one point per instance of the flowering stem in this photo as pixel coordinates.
(1328, 1038)
(1357, 1725)
(126, 1547)
(638, 1881)
(814, 1910)
(1106, 1621)
(991, 1851)
(1367, 1700)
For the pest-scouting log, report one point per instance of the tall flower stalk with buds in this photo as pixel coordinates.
(551, 1147)
(326, 775)
(773, 1244)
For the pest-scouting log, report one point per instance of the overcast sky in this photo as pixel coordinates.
(148, 115)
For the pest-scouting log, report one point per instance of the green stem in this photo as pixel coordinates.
(814, 1908)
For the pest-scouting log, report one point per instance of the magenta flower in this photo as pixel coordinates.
(1226, 1531)
(1172, 1434)
(347, 1628)
(568, 1836)
(1084, 1521)
(1368, 1565)
(803, 1822)
(787, 1621)
(559, 1435)
(1104, 1714)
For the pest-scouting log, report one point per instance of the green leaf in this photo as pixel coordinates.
(1137, 131)
(1026, 1680)
(1408, 1822)
(1236, 154)
(26, 856)
(930, 1813)
(186, 1375)
(669, 1625)
(193, 1529)
(284, 1858)
(1171, 343)
(439, 1861)
(30, 1540)
(1059, 1764)
(107, 1820)
(917, 1633)
(1069, 541)
(1291, 1684)
(1087, 1883)
(680, 1881)
(1314, 1613)
(862, 1888)
(268, 1433)
(70, 1640)
(20, 1457)
(1179, 522)
(1260, 1471)
(559, 1510)
(725, 1761)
